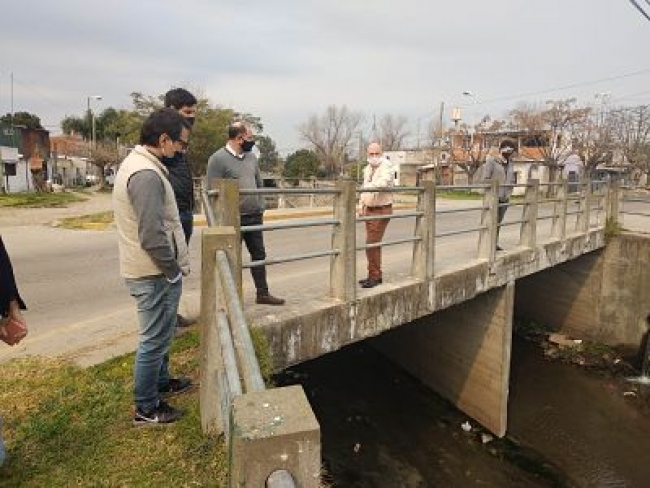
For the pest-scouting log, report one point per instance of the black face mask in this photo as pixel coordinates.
(190, 121)
(247, 146)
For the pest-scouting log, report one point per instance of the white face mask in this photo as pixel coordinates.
(374, 160)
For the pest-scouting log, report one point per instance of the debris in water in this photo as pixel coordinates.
(485, 438)
(357, 447)
(563, 340)
(629, 393)
(467, 427)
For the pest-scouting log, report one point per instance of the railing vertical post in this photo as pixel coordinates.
(487, 238)
(560, 208)
(582, 222)
(614, 200)
(226, 212)
(528, 236)
(343, 265)
(212, 371)
(422, 266)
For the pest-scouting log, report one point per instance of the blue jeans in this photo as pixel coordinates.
(157, 302)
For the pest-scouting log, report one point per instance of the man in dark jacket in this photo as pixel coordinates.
(180, 172)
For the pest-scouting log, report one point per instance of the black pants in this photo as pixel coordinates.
(255, 245)
(501, 213)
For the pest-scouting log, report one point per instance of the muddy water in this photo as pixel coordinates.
(382, 428)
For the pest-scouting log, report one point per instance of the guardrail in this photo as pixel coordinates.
(229, 365)
(592, 200)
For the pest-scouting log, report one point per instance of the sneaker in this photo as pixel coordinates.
(161, 414)
(175, 386)
(269, 300)
(364, 282)
(183, 321)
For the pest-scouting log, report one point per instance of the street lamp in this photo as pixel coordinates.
(92, 116)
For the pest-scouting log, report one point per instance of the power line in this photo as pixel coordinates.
(640, 9)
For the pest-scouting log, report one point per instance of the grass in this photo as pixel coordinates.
(40, 200)
(69, 426)
(96, 221)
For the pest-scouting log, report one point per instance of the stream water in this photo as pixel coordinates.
(382, 428)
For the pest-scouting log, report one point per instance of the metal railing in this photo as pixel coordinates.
(539, 204)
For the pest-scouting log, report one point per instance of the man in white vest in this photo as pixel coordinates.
(153, 259)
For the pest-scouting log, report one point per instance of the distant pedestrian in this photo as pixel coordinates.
(236, 161)
(378, 173)
(180, 172)
(13, 327)
(501, 169)
(153, 259)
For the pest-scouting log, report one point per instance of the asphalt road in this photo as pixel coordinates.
(79, 306)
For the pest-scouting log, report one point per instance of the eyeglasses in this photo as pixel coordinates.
(374, 154)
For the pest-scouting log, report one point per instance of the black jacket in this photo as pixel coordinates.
(8, 289)
(180, 177)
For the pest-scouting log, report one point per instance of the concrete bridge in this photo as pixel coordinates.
(446, 307)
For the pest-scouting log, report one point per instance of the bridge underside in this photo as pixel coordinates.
(465, 356)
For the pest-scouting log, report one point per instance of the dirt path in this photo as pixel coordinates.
(96, 202)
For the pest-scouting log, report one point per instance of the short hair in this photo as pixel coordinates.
(178, 98)
(507, 143)
(162, 121)
(236, 129)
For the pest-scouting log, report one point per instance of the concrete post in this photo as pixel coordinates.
(422, 266)
(226, 205)
(343, 266)
(528, 236)
(274, 430)
(582, 222)
(614, 198)
(312, 196)
(558, 228)
(212, 372)
(487, 238)
(282, 199)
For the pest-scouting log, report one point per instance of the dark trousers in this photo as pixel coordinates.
(501, 213)
(255, 244)
(187, 221)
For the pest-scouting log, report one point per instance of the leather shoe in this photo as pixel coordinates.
(499, 248)
(371, 283)
(269, 300)
(183, 322)
(378, 281)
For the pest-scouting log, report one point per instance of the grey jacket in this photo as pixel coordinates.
(495, 169)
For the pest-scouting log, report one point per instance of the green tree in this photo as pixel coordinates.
(301, 165)
(26, 119)
(75, 125)
(268, 154)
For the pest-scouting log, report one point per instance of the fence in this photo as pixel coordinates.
(233, 392)
(550, 208)
(634, 208)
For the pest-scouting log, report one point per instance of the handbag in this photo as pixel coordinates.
(12, 330)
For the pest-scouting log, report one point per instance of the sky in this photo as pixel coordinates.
(285, 60)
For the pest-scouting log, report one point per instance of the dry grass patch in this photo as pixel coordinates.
(96, 221)
(36, 200)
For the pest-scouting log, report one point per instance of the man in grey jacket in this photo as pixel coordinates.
(236, 161)
(500, 168)
(153, 259)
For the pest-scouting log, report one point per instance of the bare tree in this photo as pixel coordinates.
(330, 135)
(555, 126)
(392, 132)
(594, 140)
(470, 146)
(102, 156)
(632, 133)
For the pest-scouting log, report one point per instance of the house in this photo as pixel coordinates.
(25, 158)
(407, 163)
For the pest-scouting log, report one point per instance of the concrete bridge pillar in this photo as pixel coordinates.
(463, 353)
